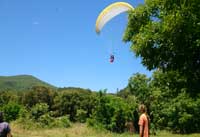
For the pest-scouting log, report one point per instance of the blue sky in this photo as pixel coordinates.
(55, 41)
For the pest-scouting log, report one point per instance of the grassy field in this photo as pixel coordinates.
(79, 130)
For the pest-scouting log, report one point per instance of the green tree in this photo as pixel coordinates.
(139, 86)
(38, 94)
(7, 96)
(67, 103)
(112, 113)
(11, 111)
(182, 114)
(166, 35)
(38, 110)
(138, 91)
(70, 100)
(171, 107)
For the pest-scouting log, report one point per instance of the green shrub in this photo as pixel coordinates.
(183, 114)
(112, 113)
(62, 122)
(92, 122)
(46, 120)
(38, 110)
(81, 115)
(180, 115)
(11, 111)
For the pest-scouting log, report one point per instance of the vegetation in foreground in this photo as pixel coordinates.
(80, 130)
(168, 108)
(166, 35)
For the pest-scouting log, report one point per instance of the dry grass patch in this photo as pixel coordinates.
(78, 130)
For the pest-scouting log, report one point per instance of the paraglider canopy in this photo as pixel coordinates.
(110, 12)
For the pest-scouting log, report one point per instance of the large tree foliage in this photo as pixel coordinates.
(38, 94)
(139, 86)
(72, 101)
(166, 35)
(112, 112)
(171, 106)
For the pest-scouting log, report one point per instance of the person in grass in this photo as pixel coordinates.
(143, 122)
(5, 130)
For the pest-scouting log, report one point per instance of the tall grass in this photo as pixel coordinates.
(79, 130)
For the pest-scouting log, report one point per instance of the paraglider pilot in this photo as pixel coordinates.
(112, 58)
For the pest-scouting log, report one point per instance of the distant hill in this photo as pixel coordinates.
(21, 82)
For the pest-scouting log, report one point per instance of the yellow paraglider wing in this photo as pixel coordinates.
(111, 11)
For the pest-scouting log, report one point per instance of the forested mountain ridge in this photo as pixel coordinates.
(21, 82)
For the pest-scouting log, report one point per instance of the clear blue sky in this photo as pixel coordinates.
(55, 41)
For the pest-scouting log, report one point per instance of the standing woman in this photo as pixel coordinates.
(143, 122)
(5, 130)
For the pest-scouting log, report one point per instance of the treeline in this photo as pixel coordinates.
(170, 106)
(170, 103)
(45, 108)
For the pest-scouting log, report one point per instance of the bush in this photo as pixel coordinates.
(62, 122)
(43, 121)
(38, 110)
(180, 115)
(46, 120)
(11, 111)
(81, 115)
(92, 122)
(112, 113)
(183, 114)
